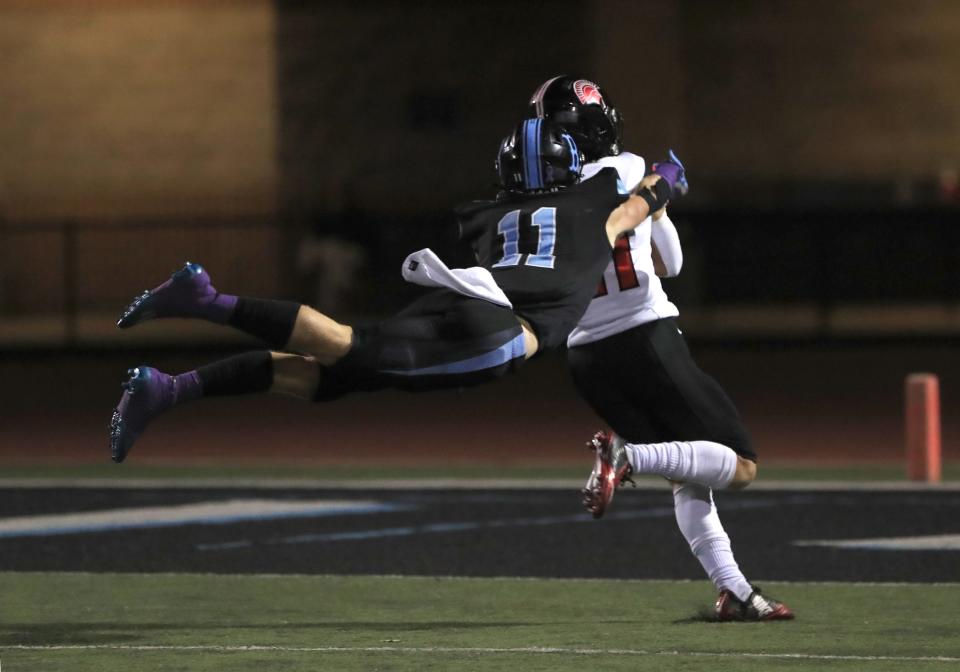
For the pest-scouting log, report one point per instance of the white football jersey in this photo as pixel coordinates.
(630, 293)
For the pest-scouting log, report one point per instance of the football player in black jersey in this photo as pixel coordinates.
(541, 247)
(630, 362)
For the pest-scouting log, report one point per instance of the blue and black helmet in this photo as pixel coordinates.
(538, 156)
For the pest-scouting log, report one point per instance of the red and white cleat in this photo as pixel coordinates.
(755, 608)
(610, 469)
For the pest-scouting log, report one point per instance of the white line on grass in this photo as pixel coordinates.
(466, 526)
(224, 512)
(272, 576)
(472, 650)
(930, 542)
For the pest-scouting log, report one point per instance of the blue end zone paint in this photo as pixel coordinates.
(488, 360)
(319, 512)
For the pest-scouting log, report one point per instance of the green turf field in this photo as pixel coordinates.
(102, 622)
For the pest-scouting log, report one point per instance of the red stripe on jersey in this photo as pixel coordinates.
(623, 263)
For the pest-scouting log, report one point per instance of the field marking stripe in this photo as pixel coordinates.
(468, 649)
(467, 526)
(218, 512)
(273, 576)
(929, 542)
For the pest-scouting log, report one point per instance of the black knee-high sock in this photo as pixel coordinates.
(267, 319)
(247, 373)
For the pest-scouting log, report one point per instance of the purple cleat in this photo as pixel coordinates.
(188, 293)
(146, 394)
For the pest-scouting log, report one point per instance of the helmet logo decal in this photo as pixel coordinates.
(587, 92)
(574, 166)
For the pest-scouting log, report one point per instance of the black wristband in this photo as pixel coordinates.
(656, 196)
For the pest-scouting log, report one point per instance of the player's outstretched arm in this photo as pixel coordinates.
(659, 267)
(651, 195)
(665, 245)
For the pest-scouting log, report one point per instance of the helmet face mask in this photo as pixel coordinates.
(584, 111)
(538, 156)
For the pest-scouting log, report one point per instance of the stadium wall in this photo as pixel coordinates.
(241, 133)
(168, 107)
(140, 108)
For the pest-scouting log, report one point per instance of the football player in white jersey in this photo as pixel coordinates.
(630, 362)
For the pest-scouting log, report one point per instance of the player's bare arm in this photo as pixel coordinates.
(650, 195)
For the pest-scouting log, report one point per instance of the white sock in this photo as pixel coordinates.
(700, 526)
(704, 462)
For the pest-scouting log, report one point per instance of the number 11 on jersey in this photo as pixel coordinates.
(545, 219)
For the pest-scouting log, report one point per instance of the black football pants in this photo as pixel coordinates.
(646, 386)
(442, 340)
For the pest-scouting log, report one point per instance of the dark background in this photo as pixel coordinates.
(302, 149)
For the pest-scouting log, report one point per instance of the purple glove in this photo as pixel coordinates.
(673, 172)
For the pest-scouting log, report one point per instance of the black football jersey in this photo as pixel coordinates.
(547, 252)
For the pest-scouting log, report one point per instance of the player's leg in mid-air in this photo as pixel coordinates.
(189, 293)
(660, 392)
(669, 418)
(442, 340)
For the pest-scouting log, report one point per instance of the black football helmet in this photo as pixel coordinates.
(538, 156)
(584, 111)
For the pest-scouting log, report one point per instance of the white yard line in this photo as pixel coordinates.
(536, 650)
(432, 578)
(465, 526)
(206, 513)
(930, 542)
